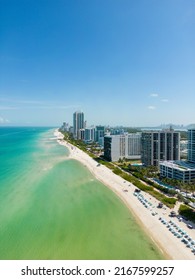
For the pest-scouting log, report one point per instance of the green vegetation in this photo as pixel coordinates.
(132, 129)
(117, 171)
(143, 173)
(104, 162)
(186, 187)
(187, 212)
(183, 135)
(168, 201)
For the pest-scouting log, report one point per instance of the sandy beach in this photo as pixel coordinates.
(169, 244)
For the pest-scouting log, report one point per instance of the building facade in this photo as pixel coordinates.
(99, 134)
(89, 134)
(191, 145)
(122, 146)
(181, 170)
(158, 146)
(81, 134)
(78, 124)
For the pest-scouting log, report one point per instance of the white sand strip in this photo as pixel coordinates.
(170, 245)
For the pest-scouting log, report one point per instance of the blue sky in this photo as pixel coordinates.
(122, 62)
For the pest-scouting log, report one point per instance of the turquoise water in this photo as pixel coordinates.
(51, 207)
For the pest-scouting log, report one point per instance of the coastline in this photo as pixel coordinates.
(170, 246)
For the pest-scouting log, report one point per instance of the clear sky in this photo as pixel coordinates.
(122, 62)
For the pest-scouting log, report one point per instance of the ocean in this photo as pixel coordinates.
(52, 208)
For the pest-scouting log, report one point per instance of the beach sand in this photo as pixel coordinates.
(170, 245)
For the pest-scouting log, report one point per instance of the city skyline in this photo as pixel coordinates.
(127, 63)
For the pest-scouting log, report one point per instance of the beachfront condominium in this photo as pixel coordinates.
(158, 146)
(181, 170)
(78, 124)
(122, 146)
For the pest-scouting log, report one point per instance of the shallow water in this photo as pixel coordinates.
(52, 207)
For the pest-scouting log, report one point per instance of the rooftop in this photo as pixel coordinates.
(179, 164)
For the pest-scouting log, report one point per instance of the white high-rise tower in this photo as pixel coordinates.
(78, 124)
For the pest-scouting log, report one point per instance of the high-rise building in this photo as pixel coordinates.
(134, 145)
(78, 123)
(158, 146)
(65, 127)
(81, 135)
(122, 146)
(99, 134)
(181, 170)
(191, 145)
(89, 134)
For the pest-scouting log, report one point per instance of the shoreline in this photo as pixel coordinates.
(170, 246)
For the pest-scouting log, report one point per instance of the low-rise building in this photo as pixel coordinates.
(179, 170)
